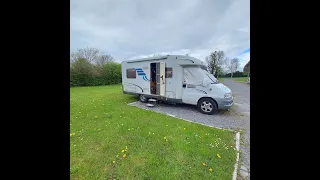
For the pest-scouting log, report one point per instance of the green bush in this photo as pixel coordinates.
(111, 73)
(84, 73)
(235, 74)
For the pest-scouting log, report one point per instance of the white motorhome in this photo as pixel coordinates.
(175, 78)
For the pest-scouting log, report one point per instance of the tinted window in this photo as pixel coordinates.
(131, 73)
(168, 72)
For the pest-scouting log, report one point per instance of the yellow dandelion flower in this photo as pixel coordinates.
(122, 151)
(184, 128)
(203, 164)
(113, 162)
(218, 155)
(210, 169)
(124, 155)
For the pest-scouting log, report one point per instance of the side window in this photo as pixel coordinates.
(131, 73)
(168, 72)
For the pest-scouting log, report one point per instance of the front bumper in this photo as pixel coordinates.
(224, 103)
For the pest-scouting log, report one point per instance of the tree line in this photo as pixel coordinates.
(89, 67)
(221, 66)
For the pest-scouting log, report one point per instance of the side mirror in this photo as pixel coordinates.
(205, 82)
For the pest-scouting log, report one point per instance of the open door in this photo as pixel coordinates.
(162, 78)
(153, 78)
(158, 81)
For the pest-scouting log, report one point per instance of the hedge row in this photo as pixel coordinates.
(84, 73)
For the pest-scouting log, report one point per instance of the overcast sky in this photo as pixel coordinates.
(129, 29)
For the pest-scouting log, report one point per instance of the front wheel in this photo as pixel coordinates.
(207, 106)
(142, 98)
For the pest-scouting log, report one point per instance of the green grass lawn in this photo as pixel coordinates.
(220, 80)
(155, 146)
(240, 79)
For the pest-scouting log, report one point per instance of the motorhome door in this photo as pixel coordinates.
(157, 83)
(162, 78)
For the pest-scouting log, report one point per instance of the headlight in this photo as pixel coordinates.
(228, 95)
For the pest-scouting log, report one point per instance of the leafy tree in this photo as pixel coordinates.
(215, 61)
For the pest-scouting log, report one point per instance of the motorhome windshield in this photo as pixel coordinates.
(195, 75)
(211, 77)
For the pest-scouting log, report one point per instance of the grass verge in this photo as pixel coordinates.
(240, 79)
(111, 140)
(220, 80)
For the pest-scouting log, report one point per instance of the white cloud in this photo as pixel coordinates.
(244, 29)
(127, 29)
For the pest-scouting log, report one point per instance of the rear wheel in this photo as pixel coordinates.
(207, 106)
(143, 99)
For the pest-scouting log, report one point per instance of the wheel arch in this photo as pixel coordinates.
(208, 98)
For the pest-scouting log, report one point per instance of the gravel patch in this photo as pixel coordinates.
(244, 172)
(223, 119)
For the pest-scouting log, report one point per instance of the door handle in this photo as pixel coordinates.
(162, 79)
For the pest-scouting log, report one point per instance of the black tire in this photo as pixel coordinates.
(207, 106)
(143, 98)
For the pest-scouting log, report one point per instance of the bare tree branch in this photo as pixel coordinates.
(236, 64)
(104, 59)
(90, 54)
(232, 65)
